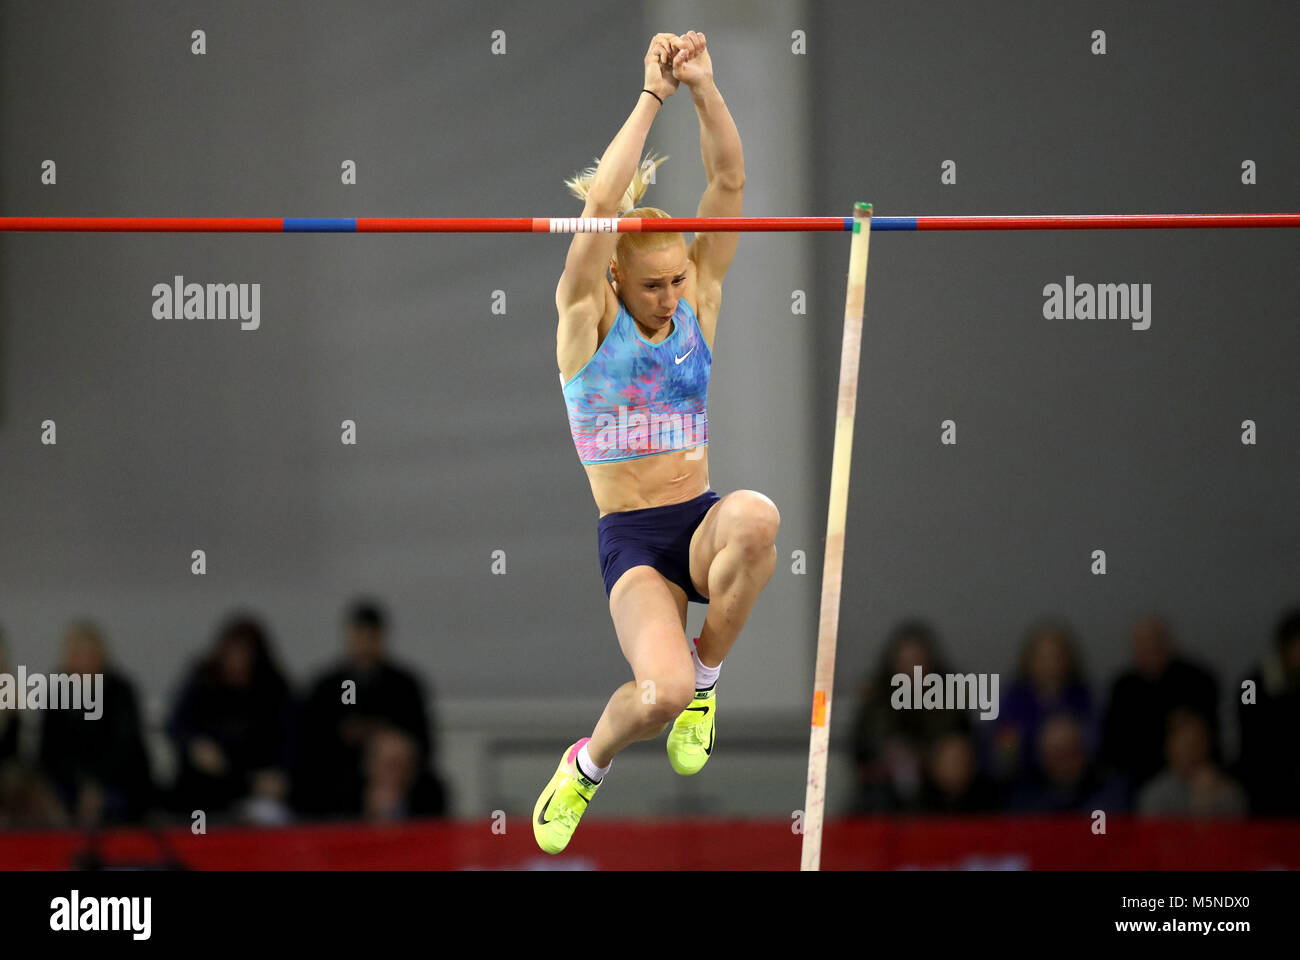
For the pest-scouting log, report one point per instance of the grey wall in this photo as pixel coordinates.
(1072, 435)
(177, 434)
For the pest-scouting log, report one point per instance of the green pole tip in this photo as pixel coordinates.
(862, 207)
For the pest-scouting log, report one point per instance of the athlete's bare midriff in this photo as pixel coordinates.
(656, 481)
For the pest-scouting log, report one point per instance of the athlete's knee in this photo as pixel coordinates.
(750, 522)
(662, 702)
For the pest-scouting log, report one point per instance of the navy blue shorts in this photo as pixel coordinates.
(659, 537)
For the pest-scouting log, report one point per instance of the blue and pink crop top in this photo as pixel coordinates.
(635, 398)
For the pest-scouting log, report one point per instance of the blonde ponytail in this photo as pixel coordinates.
(628, 207)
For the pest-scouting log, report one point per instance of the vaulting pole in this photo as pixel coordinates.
(833, 565)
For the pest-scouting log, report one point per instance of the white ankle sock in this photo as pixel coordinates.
(705, 677)
(587, 767)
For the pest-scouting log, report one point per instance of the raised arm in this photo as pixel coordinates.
(582, 284)
(724, 165)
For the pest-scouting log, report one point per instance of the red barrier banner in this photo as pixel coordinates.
(698, 844)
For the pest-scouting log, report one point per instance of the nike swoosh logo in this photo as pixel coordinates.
(541, 814)
(708, 751)
(678, 359)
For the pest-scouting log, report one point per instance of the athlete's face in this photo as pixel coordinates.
(653, 284)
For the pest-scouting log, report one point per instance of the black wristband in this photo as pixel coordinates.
(653, 94)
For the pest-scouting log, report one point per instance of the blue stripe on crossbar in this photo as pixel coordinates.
(893, 223)
(320, 225)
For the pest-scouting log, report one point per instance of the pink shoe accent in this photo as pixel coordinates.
(573, 751)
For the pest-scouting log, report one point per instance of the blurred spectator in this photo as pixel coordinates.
(395, 787)
(231, 728)
(1191, 784)
(8, 718)
(953, 782)
(1270, 759)
(1133, 737)
(351, 761)
(890, 746)
(99, 767)
(27, 801)
(1064, 779)
(1049, 680)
